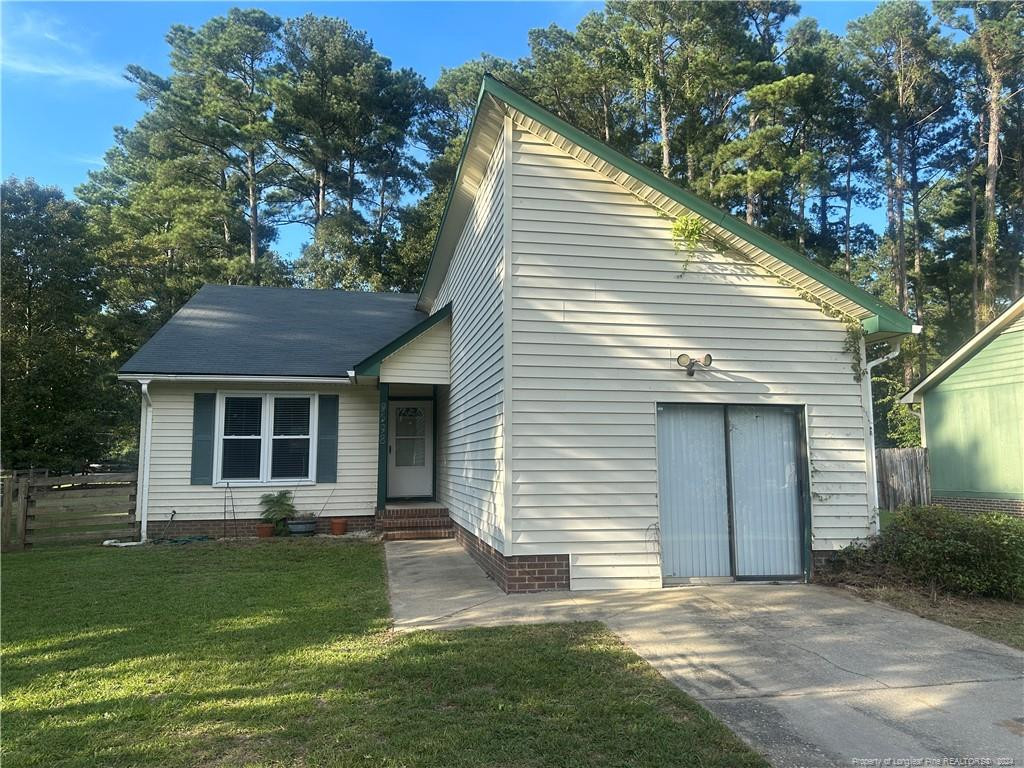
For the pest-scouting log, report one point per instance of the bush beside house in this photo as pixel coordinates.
(941, 550)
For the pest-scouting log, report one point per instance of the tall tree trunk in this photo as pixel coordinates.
(351, 185)
(915, 234)
(973, 188)
(321, 195)
(606, 116)
(751, 195)
(662, 89)
(666, 158)
(990, 229)
(254, 210)
(901, 216)
(849, 211)
(224, 219)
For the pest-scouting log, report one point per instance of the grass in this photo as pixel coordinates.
(281, 654)
(999, 620)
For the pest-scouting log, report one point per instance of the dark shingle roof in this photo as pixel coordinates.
(248, 331)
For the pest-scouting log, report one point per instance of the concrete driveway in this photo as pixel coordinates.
(809, 676)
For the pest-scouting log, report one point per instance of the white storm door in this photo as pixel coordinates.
(410, 448)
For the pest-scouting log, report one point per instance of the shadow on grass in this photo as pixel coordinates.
(280, 654)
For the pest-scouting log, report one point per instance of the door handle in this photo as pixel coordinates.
(389, 449)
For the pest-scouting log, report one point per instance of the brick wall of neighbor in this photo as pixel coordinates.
(519, 573)
(963, 504)
(160, 529)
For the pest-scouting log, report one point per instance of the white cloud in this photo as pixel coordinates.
(38, 45)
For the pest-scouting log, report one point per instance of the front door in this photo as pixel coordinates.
(410, 449)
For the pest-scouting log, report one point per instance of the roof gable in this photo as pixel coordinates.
(497, 100)
(1012, 320)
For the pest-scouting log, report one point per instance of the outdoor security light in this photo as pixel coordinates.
(687, 362)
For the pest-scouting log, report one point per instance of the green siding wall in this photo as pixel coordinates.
(974, 423)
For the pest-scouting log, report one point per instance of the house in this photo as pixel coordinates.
(580, 397)
(973, 419)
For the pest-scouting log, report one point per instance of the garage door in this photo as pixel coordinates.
(730, 492)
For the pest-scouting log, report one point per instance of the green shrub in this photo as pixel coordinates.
(946, 551)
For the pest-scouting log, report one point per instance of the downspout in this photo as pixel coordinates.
(143, 490)
(869, 401)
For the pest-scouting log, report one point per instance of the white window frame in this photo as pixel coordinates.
(266, 438)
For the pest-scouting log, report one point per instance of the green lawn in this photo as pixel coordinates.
(280, 654)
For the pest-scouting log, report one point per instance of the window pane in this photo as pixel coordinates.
(290, 457)
(291, 415)
(410, 451)
(240, 460)
(242, 415)
(410, 422)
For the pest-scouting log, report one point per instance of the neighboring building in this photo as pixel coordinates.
(534, 400)
(973, 419)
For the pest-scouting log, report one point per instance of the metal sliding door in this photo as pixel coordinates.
(766, 499)
(692, 491)
(730, 491)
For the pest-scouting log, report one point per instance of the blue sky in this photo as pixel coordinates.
(61, 65)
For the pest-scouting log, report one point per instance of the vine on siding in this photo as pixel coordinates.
(687, 232)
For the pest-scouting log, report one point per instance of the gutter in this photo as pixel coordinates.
(868, 395)
(147, 377)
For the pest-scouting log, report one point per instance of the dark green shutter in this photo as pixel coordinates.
(327, 440)
(204, 407)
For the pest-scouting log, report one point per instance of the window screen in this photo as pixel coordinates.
(289, 453)
(243, 419)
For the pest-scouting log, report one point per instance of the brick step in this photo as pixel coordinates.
(390, 524)
(405, 512)
(419, 533)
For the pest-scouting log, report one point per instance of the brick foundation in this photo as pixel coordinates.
(518, 573)
(963, 504)
(161, 529)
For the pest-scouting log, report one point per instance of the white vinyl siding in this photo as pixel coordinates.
(424, 360)
(355, 492)
(601, 307)
(470, 412)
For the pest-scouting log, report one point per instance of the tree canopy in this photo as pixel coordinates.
(263, 122)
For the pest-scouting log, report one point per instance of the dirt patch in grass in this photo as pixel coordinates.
(999, 620)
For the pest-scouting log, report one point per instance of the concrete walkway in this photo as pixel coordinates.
(809, 676)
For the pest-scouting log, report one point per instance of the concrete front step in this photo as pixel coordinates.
(419, 533)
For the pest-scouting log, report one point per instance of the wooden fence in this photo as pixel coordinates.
(902, 477)
(40, 509)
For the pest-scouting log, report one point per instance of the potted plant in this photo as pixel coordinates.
(278, 509)
(302, 525)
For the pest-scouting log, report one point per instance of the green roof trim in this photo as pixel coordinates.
(884, 320)
(371, 365)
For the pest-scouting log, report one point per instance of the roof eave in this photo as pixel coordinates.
(968, 350)
(135, 376)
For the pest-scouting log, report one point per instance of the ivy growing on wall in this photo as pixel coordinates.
(687, 232)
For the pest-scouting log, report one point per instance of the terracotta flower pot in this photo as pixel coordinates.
(264, 530)
(339, 525)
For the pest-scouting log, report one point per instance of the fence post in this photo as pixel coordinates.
(21, 512)
(7, 512)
